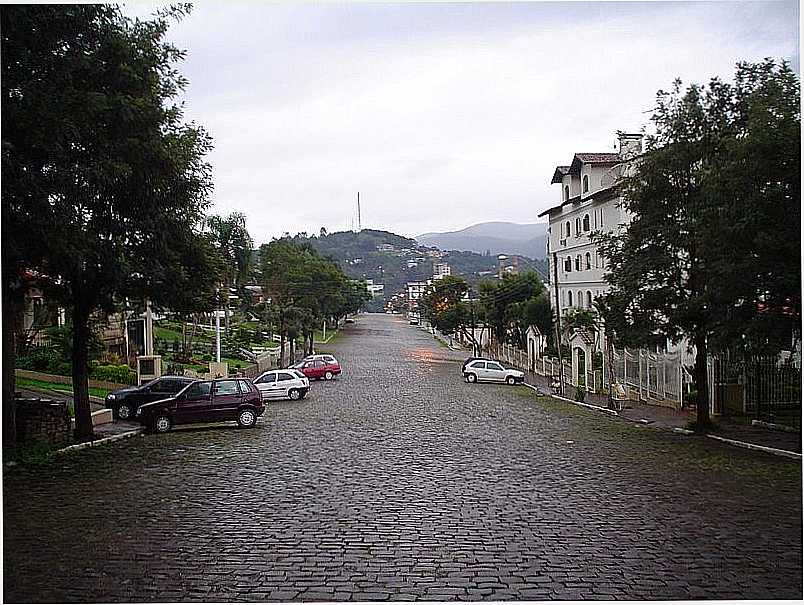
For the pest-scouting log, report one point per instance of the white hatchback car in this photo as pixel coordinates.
(488, 370)
(282, 384)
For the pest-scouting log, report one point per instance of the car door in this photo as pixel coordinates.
(226, 400)
(310, 370)
(478, 368)
(160, 389)
(267, 385)
(495, 372)
(194, 404)
(284, 381)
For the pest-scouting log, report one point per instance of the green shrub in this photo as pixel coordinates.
(40, 359)
(121, 374)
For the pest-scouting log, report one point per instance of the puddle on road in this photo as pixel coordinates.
(426, 356)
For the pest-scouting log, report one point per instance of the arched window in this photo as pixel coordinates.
(569, 298)
(588, 261)
(568, 265)
(578, 226)
(585, 183)
(586, 222)
(578, 263)
(566, 192)
(589, 299)
(569, 228)
(579, 299)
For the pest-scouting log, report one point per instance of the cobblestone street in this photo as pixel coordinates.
(401, 481)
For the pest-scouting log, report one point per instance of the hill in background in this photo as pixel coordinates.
(495, 238)
(393, 260)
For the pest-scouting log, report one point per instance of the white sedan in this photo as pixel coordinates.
(488, 370)
(282, 384)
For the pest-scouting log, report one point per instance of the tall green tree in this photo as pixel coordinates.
(513, 304)
(445, 309)
(236, 247)
(101, 177)
(713, 249)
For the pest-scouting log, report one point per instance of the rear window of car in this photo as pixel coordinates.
(226, 387)
(284, 376)
(245, 387)
(298, 374)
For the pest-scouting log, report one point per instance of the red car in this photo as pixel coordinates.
(319, 366)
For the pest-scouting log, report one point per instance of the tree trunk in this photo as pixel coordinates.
(702, 423)
(83, 414)
(10, 310)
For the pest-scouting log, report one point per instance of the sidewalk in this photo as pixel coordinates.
(668, 419)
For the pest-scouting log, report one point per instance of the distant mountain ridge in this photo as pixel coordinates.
(498, 237)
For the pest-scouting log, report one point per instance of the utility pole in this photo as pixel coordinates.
(558, 323)
(218, 329)
(359, 223)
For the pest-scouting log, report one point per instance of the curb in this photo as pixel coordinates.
(97, 442)
(774, 426)
(579, 403)
(682, 431)
(759, 448)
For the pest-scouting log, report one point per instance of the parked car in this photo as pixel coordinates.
(489, 370)
(319, 366)
(349, 320)
(125, 402)
(414, 321)
(325, 356)
(282, 384)
(205, 401)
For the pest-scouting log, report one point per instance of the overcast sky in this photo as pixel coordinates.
(441, 115)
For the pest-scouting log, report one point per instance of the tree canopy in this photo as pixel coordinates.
(712, 251)
(104, 185)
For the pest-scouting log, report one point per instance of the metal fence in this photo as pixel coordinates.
(765, 388)
(657, 377)
(653, 377)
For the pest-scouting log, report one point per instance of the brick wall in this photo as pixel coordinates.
(43, 420)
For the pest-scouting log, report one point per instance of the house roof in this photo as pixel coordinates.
(592, 158)
(559, 174)
(599, 194)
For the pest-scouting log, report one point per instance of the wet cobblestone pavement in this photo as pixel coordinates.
(400, 481)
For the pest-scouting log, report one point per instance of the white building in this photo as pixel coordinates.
(589, 203)
(374, 289)
(441, 270)
(415, 290)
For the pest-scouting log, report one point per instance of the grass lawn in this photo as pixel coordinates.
(60, 387)
(318, 335)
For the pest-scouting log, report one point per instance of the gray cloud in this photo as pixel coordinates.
(441, 115)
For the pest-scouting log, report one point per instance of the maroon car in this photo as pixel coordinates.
(319, 366)
(205, 401)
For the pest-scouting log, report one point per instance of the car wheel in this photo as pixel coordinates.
(471, 377)
(124, 411)
(247, 418)
(294, 394)
(510, 380)
(328, 375)
(162, 424)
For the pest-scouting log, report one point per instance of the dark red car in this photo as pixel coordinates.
(319, 366)
(205, 401)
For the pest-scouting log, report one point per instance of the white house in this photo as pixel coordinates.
(588, 203)
(441, 270)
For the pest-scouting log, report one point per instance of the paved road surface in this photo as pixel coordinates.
(400, 481)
